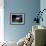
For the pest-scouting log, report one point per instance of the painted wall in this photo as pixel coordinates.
(43, 6)
(29, 7)
(1, 20)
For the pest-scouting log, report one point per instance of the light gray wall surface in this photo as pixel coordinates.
(43, 6)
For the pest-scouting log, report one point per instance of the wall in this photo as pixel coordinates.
(29, 7)
(1, 21)
(43, 6)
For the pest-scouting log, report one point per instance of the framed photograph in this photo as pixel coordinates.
(17, 18)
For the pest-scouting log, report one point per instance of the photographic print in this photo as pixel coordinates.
(17, 18)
